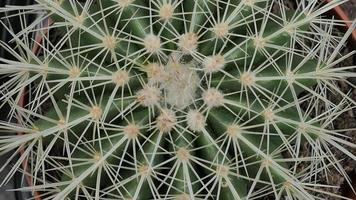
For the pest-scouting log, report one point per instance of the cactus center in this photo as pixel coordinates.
(96, 112)
(149, 96)
(120, 78)
(188, 43)
(166, 11)
(152, 43)
(222, 170)
(180, 84)
(109, 42)
(183, 154)
(131, 131)
(155, 72)
(195, 120)
(178, 81)
(213, 98)
(166, 121)
(221, 29)
(214, 63)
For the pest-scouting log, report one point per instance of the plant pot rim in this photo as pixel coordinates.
(337, 11)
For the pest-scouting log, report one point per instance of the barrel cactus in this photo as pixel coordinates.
(175, 99)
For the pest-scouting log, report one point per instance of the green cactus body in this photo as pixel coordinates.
(180, 99)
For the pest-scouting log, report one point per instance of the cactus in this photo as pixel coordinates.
(176, 99)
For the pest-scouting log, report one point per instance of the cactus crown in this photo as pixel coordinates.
(176, 99)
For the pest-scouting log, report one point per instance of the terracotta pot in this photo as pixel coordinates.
(338, 12)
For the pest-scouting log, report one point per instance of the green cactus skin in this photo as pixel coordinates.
(179, 99)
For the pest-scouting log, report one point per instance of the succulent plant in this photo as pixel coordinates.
(175, 99)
